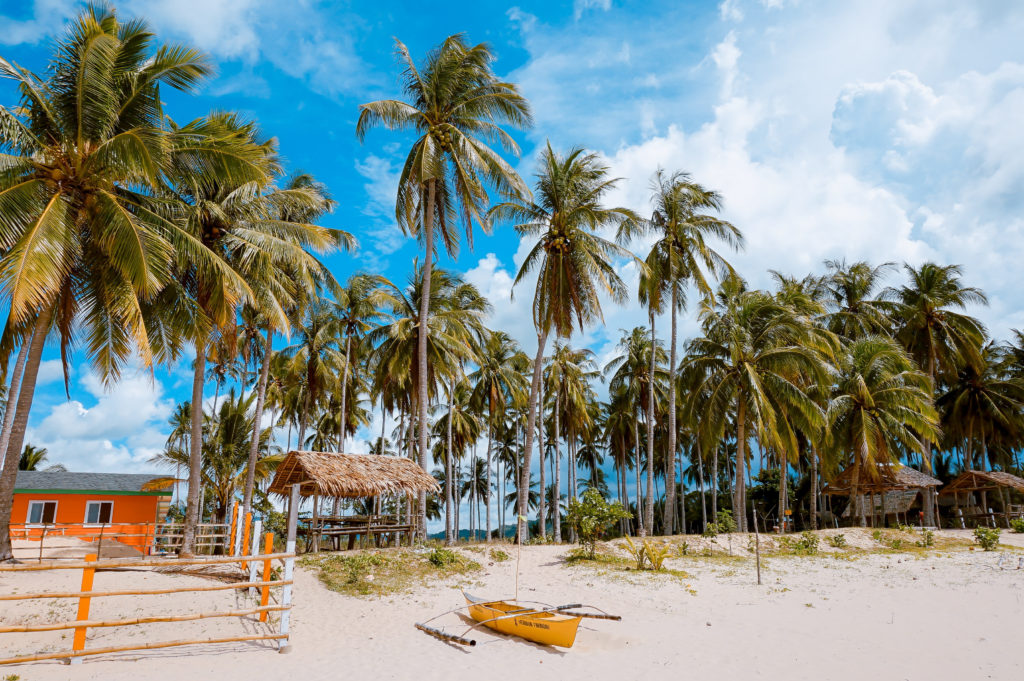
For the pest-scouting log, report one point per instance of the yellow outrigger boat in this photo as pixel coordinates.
(539, 622)
(545, 627)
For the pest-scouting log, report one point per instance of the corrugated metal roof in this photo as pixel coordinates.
(93, 482)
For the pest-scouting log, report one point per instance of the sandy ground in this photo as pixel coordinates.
(955, 615)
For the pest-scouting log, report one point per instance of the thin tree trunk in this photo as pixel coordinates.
(542, 506)
(783, 478)
(257, 425)
(421, 346)
(739, 502)
(448, 540)
(303, 419)
(649, 502)
(12, 396)
(641, 526)
(670, 474)
(531, 423)
(703, 496)
(344, 391)
(16, 434)
(195, 457)
(814, 487)
(714, 486)
(487, 496)
(556, 511)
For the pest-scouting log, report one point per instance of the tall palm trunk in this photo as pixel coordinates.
(448, 540)
(649, 502)
(303, 419)
(16, 434)
(421, 349)
(714, 486)
(195, 455)
(531, 423)
(929, 500)
(641, 526)
(12, 395)
(487, 495)
(670, 474)
(739, 501)
(783, 479)
(814, 487)
(703, 498)
(542, 507)
(257, 425)
(344, 390)
(556, 511)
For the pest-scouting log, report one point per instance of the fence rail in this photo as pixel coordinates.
(147, 538)
(82, 623)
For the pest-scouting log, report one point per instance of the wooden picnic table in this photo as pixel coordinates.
(336, 527)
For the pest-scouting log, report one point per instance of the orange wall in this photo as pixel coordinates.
(127, 510)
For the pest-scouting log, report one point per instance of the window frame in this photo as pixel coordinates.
(41, 523)
(90, 502)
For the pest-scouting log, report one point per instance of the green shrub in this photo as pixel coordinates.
(808, 543)
(442, 558)
(837, 541)
(499, 556)
(1017, 525)
(877, 536)
(927, 539)
(987, 538)
(896, 544)
(591, 516)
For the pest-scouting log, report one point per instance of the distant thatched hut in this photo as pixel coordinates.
(885, 491)
(963, 487)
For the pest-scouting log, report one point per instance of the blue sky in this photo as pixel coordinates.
(865, 130)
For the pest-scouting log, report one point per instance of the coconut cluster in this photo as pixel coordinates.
(559, 244)
(441, 136)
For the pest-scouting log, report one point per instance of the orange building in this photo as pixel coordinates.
(82, 504)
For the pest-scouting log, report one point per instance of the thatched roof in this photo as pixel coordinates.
(970, 481)
(350, 475)
(885, 477)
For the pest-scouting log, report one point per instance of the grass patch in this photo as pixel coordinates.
(381, 573)
(605, 562)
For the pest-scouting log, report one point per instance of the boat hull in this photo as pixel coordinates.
(546, 628)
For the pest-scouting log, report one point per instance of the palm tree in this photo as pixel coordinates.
(456, 104)
(881, 405)
(853, 312)
(84, 242)
(928, 325)
(496, 383)
(32, 458)
(572, 261)
(683, 255)
(750, 360)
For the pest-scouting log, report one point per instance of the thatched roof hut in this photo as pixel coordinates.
(885, 477)
(350, 475)
(973, 481)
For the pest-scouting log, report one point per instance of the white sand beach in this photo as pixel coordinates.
(948, 615)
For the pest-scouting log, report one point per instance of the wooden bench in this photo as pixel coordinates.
(336, 527)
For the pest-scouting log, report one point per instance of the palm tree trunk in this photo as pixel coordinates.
(739, 502)
(783, 475)
(16, 434)
(257, 425)
(303, 419)
(640, 524)
(531, 424)
(12, 395)
(649, 502)
(814, 487)
(195, 455)
(858, 508)
(344, 390)
(670, 474)
(487, 496)
(542, 506)
(421, 347)
(714, 486)
(556, 511)
(448, 539)
(682, 495)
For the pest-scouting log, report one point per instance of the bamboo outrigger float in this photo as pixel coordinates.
(538, 622)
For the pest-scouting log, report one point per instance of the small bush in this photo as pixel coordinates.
(927, 539)
(896, 544)
(684, 549)
(591, 516)
(877, 536)
(808, 543)
(837, 541)
(499, 556)
(1017, 525)
(657, 553)
(638, 553)
(987, 538)
(442, 558)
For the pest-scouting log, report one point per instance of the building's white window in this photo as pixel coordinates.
(98, 512)
(42, 512)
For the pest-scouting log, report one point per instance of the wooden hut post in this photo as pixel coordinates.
(284, 646)
(316, 523)
(1004, 496)
(268, 548)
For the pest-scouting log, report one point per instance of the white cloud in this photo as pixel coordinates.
(581, 6)
(47, 16)
(383, 237)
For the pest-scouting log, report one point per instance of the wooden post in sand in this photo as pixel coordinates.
(268, 548)
(757, 547)
(83, 609)
(284, 646)
(254, 550)
(230, 541)
(244, 539)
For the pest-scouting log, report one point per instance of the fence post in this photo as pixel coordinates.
(83, 609)
(289, 567)
(254, 549)
(229, 543)
(244, 539)
(99, 544)
(268, 548)
(42, 538)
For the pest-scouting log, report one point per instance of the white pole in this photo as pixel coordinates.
(284, 645)
(254, 551)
